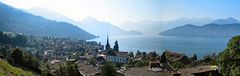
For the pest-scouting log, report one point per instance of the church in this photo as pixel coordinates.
(113, 54)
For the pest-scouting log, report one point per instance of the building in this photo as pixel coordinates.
(114, 56)
(118, 57)
(155, 66)
(49, 53)
(207, 73)
(111, 55)
(107, 47)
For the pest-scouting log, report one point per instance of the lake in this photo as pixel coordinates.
(188, 45)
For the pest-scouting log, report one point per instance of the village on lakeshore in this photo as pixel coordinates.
(90, 56)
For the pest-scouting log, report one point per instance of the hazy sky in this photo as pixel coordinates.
(118, 11)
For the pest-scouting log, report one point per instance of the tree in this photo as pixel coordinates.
(1, 36)
(116, 47)
(108, 70)
(131, 54)
(163, 57)
(153, 56)
(5, 39)
(68, 69)
(20, 40)
(144, 55)
(228, 60)
(72, 69)
(1, 33)
(194, 58)
(177, 64)
(3, 51)
(45, 71)
(17, 56)
(138, 53)
(25, 60)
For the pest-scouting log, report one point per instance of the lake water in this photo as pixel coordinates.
(187, 45)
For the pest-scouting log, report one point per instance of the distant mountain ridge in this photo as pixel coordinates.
(229, 20)
(98, 28)
(154, 27)
(101, 28)
(48, 14)
(208, 30)
(15, 20)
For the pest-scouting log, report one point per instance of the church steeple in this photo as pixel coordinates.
(107, 47)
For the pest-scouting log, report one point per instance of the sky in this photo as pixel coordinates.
(118, 11)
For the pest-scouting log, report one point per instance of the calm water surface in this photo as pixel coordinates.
(187, 45)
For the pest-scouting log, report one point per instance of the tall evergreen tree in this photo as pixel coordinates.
(163, 57)
(144, 55)
(153, 56)
(17, 56)
(131, 54)
(116, 47)
(194, 58)
(138, 53)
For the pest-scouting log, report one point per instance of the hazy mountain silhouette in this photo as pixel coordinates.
(48, 14)
(101, 28)
(15, 20)
(229, 20)
(154, 27)
(89, 24)
(208, 30)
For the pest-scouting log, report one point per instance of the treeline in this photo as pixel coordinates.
(13, 39)
(68, 69)
(15, 56)
(23, 59)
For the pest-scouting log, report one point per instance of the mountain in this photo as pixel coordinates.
(133, 32)
(48, 14)
(89, 24)
(153, 27)
(208, 30)
(15, 20)
(229, 20)
(101, 28)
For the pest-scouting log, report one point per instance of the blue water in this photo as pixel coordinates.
(188, 45)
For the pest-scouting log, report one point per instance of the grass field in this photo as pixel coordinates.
(8, 70)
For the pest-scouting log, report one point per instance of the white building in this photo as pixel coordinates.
(49, 53)
(115, 56)
(112, 55)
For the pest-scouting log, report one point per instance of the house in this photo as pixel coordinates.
(207, 73)
(155, 66)
(54, 61)
(173, 57)
(49, 53)
(212, 70)
(202, 70)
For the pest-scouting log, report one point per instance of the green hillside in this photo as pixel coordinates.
(8, 70)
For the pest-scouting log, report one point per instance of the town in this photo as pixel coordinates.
(91, 56)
